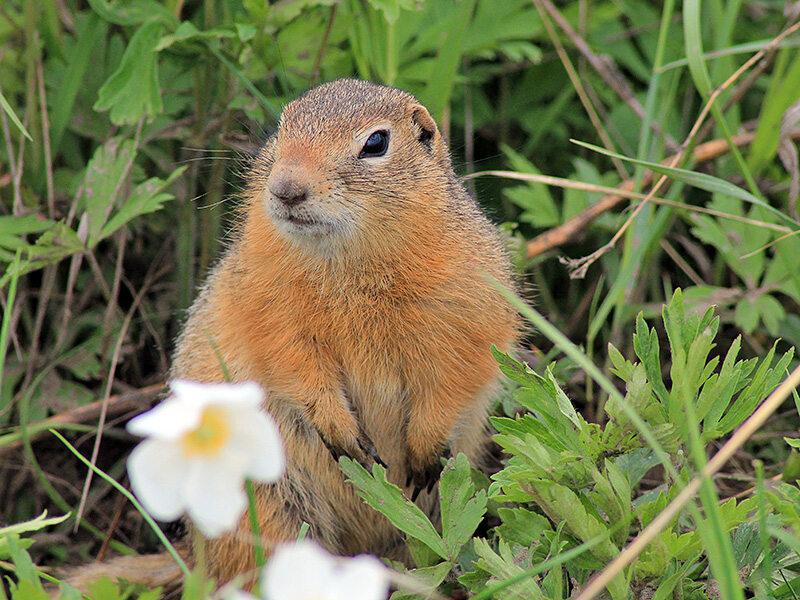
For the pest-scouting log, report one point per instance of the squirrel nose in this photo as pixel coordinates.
(288, 190)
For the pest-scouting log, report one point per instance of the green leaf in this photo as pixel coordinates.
(132, 12)
(521, 526)
(36, 524)
(553, 583)
(718, 391)
(562, 504)
(563, 403)
(6, 107)
(436, 94)
(622, 368)
(133, 90)
(102, 182)
(388, 500)
(89, 38)
(431, 577)
(515, 370)
(635, 464)
(462, 508)
(503, 566)
(12, 228)
(391, 8)
(68, 592)
(781, 94)
(746, 315)
(186, 31)
(533, 198)
(147, 197)
(26, 571)
(694, 47)
(27, 590)
(764, 381)
(105, 589)
(647, 348)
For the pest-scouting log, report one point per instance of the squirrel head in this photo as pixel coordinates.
(354, 165)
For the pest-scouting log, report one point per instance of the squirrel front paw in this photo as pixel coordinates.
(359, 447)
(341, 433)
(424, 472)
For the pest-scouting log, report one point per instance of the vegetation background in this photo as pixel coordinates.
(126, 132)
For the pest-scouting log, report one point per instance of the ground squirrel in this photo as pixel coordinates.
(355, 293)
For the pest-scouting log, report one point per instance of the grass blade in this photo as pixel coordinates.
(699, 180)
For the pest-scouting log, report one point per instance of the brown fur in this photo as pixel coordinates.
(370, 329)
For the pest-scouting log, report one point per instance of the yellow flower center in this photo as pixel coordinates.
(210, 436)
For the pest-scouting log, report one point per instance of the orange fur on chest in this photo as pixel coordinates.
(384, 325)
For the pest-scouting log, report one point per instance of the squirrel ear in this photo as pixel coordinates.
(423, 125)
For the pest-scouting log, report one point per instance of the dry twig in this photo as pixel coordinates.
(565, 232)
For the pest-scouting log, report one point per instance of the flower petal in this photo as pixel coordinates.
(298, 571)
(361, 578)
(156, 469)
(167, 421)
(247, 393)
(214, 492)
(234, 594)
(257, 436)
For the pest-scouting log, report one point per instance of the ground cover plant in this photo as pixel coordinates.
(641, 158)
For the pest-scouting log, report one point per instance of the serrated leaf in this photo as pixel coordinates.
(501, 567)
(34, 524)
(391, 8)
(133, 90)
(746, 315)
(431, 577)
(147, 197)
(388, 500)
(622, 368)
(13, 227)
(718, 391)
(515, 370)
(186, 32)
(533, 198)
(521, 526)
(68, 592)
(26, 571)
(462, 508)
(764, 381)
(131, 12)
(102, 182)
(647, 348)
(563, 403)
(27, 590)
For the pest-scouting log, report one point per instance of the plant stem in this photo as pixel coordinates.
(258, 548)
(156, 529)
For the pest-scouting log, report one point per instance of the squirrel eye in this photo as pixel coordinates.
(376, 144)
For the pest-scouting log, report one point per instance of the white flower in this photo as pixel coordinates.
(235, 594)
(203, 441)
(304, 571)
